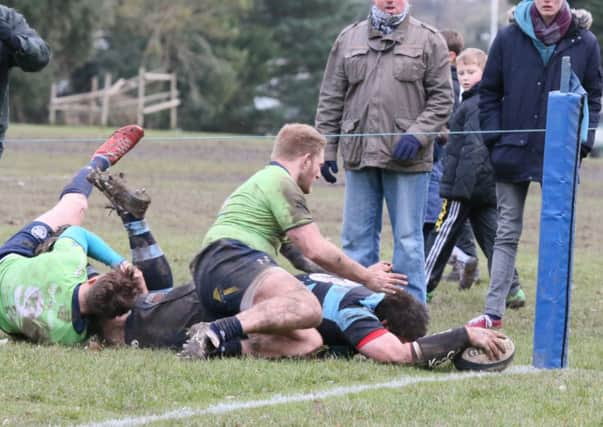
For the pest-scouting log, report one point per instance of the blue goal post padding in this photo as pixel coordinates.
(555, 255)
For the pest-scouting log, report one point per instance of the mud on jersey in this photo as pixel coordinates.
(36, 293)
(261, 211)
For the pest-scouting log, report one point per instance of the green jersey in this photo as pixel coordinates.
(261, 211)
(36, 293)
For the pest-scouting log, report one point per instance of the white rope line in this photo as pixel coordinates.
(218, 137)
(224, 408)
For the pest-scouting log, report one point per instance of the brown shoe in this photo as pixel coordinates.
(123, 200)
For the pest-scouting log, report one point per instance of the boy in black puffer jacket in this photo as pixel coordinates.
(468, 186)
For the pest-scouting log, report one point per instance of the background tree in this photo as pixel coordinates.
(69, 27)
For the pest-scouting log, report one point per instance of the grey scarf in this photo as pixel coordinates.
(384, 22)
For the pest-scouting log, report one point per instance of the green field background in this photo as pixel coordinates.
(188, 176)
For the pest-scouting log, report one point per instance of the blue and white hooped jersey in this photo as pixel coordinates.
(348, 310)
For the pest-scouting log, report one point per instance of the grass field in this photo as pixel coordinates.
(188, 180)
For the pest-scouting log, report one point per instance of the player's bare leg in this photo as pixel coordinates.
(73, 204)
(281, 305)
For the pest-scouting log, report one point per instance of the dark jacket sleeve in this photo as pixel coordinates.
(491, 93)
(34, 53)
(592, 82)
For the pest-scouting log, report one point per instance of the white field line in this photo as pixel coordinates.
(223, 408)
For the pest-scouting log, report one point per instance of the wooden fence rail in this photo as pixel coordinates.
(98, 102)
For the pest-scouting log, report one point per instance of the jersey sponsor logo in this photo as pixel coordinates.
(264, 260)
(39, 232)
(219, 294)
(156, 296)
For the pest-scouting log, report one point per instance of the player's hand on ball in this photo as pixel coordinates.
(488, 351)
(488, 340)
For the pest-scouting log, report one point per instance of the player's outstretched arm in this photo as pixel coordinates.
(298, 260)
(387, 349)
(314, 246)
(93, 246)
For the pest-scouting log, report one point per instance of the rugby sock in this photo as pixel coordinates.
(79, 184)
(227, 329)
(231, 348)
(493, 316)
(147, 255)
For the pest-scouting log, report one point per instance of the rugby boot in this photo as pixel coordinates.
(119, 143)
(123, 200)
(516, 300)
(202, 342)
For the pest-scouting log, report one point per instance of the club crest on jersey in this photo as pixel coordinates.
(39, 232)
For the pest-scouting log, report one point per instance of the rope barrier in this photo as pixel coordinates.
(183, 138)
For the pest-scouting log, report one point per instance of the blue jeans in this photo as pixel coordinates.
(404, 196)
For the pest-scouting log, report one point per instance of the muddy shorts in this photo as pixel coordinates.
(227, 273)
(26, 240)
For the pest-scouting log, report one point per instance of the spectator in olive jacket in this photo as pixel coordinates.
(388, 75)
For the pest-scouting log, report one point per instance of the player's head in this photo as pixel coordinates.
(304, 145)
(403, 316)
(112, 293)
(455, 42)
(110, 331)
(295, 140)
(470, 67)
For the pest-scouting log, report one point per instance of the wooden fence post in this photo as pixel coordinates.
(141, 96)
(51, 110)
(92, 103)
(106, 95)
(173, 97)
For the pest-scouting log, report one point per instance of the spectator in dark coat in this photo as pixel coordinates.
(467, 186)
(523, 66)
(20, 46)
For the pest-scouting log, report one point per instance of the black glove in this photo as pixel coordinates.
(584, 152)
(327, 170)
(8, 37)
(406, 148)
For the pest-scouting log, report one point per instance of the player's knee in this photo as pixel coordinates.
(314, 310)
(312, 342)
(310, 306)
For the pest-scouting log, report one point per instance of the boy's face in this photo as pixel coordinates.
(469, 74)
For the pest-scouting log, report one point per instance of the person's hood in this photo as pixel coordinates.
(583, 19)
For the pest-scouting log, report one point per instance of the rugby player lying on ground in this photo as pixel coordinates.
(48, 297)
(385, 328)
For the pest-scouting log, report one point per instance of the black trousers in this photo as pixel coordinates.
(450, 225)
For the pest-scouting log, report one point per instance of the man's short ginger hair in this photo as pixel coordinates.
(294, 140)
(471, 56)
(454, 40)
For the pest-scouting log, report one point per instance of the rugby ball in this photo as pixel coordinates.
(475, 359)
